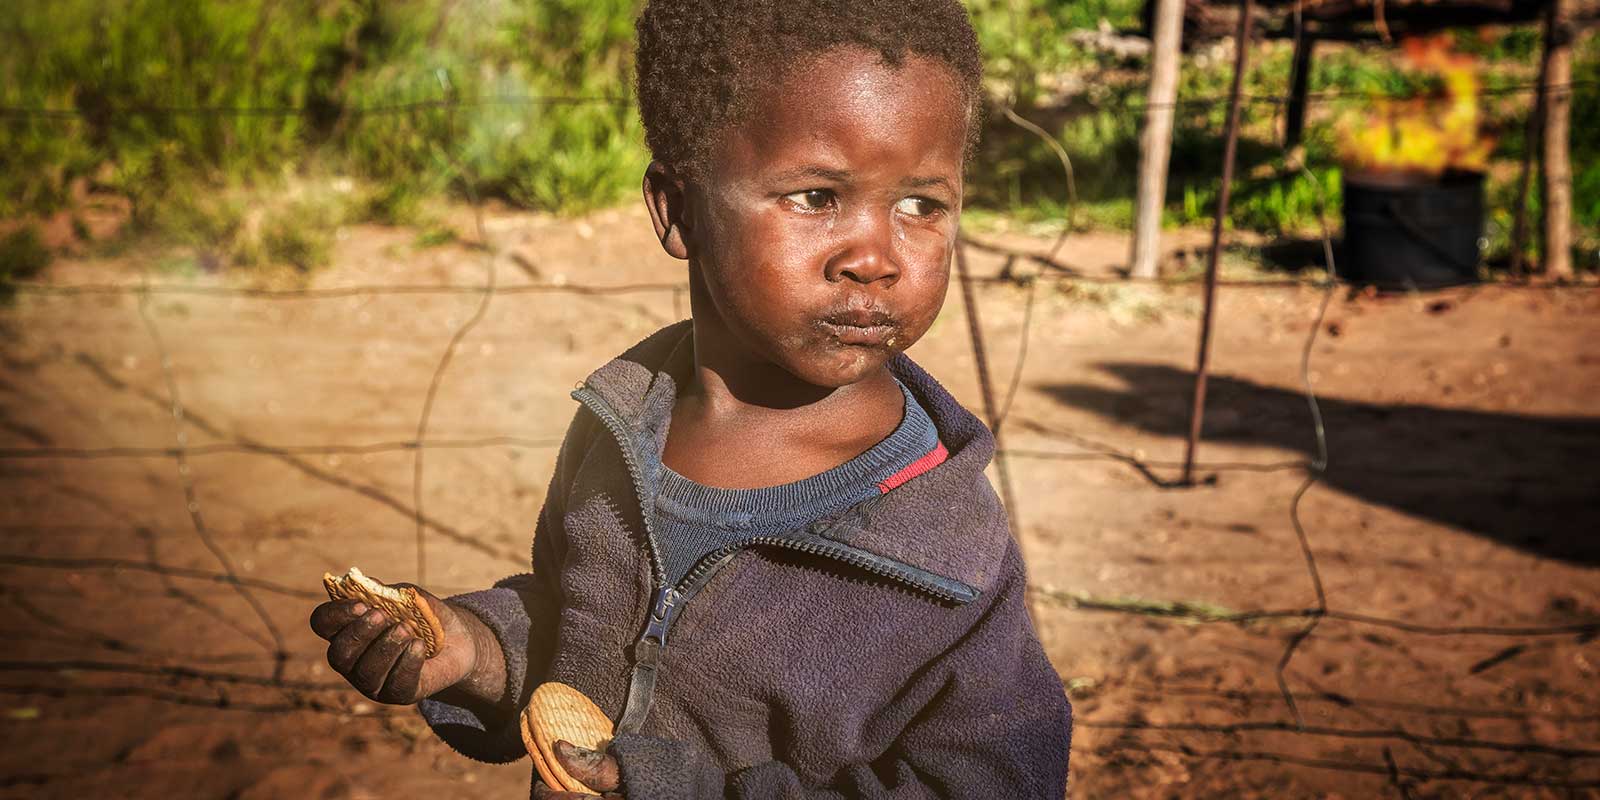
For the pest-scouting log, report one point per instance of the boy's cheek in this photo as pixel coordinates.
(918, 327)
(927, 256)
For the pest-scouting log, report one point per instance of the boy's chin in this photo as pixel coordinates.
(838, 367)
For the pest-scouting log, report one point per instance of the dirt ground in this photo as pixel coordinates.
(1460, 497)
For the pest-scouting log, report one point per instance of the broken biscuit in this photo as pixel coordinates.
(404, 605)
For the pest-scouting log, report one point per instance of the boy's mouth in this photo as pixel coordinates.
(861, 327)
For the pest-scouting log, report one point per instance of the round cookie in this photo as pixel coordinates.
(558, 711)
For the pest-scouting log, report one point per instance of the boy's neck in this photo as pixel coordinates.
(762, 390)
(744, 423)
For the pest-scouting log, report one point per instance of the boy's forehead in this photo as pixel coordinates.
(850, 99)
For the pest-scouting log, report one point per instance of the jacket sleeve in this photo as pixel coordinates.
(520, 611)
(998, 725)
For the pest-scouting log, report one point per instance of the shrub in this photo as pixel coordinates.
(22, 256)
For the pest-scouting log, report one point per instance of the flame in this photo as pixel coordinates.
(1426, 135)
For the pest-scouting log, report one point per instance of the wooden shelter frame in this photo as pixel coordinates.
(1307, 22)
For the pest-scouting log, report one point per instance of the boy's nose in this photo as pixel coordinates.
(867, 256)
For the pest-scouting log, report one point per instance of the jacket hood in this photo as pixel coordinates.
(946, 526)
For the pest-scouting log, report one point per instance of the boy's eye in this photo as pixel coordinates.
(917, 206)
(811, 199)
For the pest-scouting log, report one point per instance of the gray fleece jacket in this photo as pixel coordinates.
(884, 651)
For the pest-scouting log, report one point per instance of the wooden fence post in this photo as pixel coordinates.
(1557, 162)
(1155, 145)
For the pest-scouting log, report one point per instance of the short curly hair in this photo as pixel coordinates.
(699, 61)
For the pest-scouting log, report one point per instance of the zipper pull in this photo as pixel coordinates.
(646, 657)
(663, 609)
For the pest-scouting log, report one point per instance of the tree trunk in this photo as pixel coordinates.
(1155, 146)
(1557, 159)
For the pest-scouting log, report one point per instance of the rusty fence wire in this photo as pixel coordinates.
(213, 687)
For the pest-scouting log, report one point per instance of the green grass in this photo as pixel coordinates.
(1586, 155)
(213, 180)
(1027, 41)
(124, 65)
(435, 235)
(118, 62)
(290, 223)
(218, 181)
(1190, 611)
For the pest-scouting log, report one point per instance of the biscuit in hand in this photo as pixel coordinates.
(404, 605)
(558, 711)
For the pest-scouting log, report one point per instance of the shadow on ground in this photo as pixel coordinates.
(1296, 255)
(1524, 481)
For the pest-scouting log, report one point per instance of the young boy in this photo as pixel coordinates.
(769, 551)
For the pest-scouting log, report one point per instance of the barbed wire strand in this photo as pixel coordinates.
(1055, 249)
(1022, 353)
(1062, 276)
(291, 110)
(398, 107)
(1314, 472)
(980, 358)
(257, 448)
(1066, 167)
(280, 653)
(469, 184)
(308, 293)
(1192, 615)
(1318, 466)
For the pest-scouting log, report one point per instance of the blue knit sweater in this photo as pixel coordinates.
(693, 520)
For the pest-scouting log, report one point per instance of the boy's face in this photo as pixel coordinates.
(825, 223)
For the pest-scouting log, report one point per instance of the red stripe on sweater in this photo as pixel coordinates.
(934, 458)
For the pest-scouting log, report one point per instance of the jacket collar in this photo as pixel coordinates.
(946, 524)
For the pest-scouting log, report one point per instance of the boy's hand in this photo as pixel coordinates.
(383, 660)
(595, 769)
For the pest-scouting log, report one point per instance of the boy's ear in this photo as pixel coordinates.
(666, 195)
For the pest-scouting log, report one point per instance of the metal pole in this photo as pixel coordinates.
(1241, 46)
(986, 387)
(1299, 84)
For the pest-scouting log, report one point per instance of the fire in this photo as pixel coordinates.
(1426, 135)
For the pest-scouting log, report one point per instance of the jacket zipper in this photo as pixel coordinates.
(619, 430)
(668, 601)
(664, 602)
(949, 591)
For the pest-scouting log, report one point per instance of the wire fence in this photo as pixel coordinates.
(413, 105)
(323, 696)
